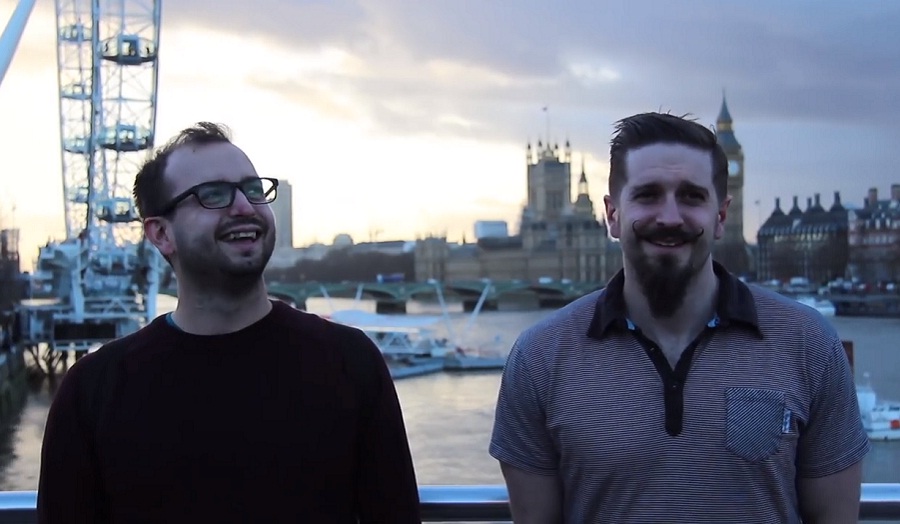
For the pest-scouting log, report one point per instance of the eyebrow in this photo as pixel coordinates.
(683, 186)
(224, 178)
(693, 187)
(643, 187)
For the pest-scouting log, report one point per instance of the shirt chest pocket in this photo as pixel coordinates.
(756, 421)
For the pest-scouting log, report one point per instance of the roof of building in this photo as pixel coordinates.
(814, 219)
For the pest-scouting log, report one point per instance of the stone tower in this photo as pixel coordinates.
(731, 249)
(549, 181)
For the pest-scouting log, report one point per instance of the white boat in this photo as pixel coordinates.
(881, 418)
(416, 344)
(398, 335)
(825, 307)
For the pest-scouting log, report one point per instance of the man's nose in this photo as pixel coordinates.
(669, 212)
(241, 205)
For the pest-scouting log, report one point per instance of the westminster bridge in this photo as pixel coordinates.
(392, 297)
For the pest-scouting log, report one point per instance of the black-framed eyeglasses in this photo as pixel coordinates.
(220, 194)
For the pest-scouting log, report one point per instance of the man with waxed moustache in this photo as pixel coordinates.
(678, 393)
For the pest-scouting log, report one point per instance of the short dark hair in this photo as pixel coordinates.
(644, 129)
(151, 191)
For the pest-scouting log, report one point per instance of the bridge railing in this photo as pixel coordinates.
(477, 504)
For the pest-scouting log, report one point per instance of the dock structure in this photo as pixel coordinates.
(12, 362)
(868, 305)
(11, 284)
(13, 379)
(13, 370)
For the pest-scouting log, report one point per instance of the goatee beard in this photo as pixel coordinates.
(664, 284)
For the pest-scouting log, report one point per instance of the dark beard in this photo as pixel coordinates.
(206, 266)
(664, 284)
(228, 281)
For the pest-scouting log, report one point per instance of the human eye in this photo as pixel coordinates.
(214, 194)
(643, 195)
(694, 196)
(254, 189)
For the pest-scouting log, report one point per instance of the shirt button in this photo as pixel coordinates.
(675, 386)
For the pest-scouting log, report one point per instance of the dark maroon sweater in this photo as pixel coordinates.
(262, 425)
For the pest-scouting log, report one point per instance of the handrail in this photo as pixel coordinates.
(9, 40)
(477, 503)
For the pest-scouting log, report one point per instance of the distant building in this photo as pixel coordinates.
(874, 238)
(11, 285)
(731, 250)
(342, 240)
(812, 244)
(284, 258)
(385, 247)
(283, 209)
(491, 229)
(432, 256)
(557, 239)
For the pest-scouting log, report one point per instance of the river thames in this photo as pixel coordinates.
(449, 416)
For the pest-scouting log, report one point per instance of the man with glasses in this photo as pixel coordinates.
(234, 407)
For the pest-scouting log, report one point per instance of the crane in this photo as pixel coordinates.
(102, 279)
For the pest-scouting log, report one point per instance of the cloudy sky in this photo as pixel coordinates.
(394, 119)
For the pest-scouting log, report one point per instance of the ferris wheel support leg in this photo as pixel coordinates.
(9, 41)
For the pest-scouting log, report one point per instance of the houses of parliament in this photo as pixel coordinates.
(565, 240)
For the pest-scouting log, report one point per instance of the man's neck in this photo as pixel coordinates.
(689, 319)
(203, 312)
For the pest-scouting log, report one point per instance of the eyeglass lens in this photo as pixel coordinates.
(221, 194)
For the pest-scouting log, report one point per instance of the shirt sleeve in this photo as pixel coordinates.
(834, 438)
(520, 436)
(69, 482)
(387, 490)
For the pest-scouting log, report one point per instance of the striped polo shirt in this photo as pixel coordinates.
(765, 395)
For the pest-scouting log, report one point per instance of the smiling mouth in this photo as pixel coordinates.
(241, 236)
(667, 243)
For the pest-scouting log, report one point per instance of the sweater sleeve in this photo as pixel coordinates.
(69, 483)
(386, 485)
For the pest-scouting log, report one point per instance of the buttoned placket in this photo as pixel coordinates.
(673, 380)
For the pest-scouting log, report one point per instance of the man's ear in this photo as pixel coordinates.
(612, 216)
(722, 215)
(159, 232)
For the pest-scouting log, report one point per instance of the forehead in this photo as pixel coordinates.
(194, 164)
(668, 164)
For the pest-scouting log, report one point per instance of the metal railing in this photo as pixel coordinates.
(476, 504)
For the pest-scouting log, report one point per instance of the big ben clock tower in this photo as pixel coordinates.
(731, 249)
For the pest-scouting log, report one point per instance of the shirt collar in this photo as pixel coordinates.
(735, 305)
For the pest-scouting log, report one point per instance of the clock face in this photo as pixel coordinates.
(733, 167)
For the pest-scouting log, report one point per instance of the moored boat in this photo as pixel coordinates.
(825, 307)
(881, 418)
(414, 345)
